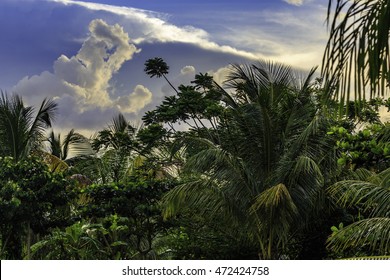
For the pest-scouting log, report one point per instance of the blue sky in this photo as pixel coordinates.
(89, 55)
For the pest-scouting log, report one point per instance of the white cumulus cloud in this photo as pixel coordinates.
(85, 77)
(89, 72)
(188, 70)
(295, 2)
(220, 74)
(139, 98)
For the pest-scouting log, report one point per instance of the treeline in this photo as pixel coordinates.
(263, 167)
(269, 165)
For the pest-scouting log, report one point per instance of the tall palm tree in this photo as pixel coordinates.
(203, 81)
(264, 177)
(357, 55)
(22, 131)
(158, 67)
(370, 193)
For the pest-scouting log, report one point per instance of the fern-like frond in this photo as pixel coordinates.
(373, 233)
(367, 195)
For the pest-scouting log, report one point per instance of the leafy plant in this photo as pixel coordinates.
(33, 200)
(357, 53)
(370, 194)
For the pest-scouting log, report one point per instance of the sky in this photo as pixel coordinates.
(89, 55)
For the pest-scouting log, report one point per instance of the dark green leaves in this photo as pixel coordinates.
(22, 131)
(356, 58)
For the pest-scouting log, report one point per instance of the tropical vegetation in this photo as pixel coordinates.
(272, 164)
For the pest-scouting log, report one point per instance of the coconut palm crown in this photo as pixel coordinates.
(22, 131)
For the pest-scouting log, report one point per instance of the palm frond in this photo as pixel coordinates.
(21, 132)
(369, 258)
(55, 163)
(369, 196)
(302, 81)
(363, 174)
(357, 54)
(55, 144)
(275, 205)
(275, 211)
(77, 144)
(206, 198)
(225, 169)
(307, 166)
(266, 168)
(13, 125)
(43, 119)
(385, 178)
(119, 123)
(373, 233)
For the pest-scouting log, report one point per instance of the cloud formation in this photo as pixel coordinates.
(139, 98)
(153, 27)
(292, 36)
(188, 70)
(91, 81)
(88, 73)
(86, 76)
(82, 84)
(294, 2)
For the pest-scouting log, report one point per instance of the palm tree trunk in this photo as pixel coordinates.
(4, 245)
(166, 79)
(28, 241)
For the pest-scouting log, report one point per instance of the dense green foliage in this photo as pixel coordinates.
(268, 165)
(33, 201)
(367, 148)
(264, 170)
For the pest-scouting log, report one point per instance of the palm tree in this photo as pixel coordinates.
(203, 81)
(115, 152)
(158, 67)
(119, 135)
(370, 193)
(264, 177)
(357, 55)
(73, 142)
(22, 131)
(57, 156)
